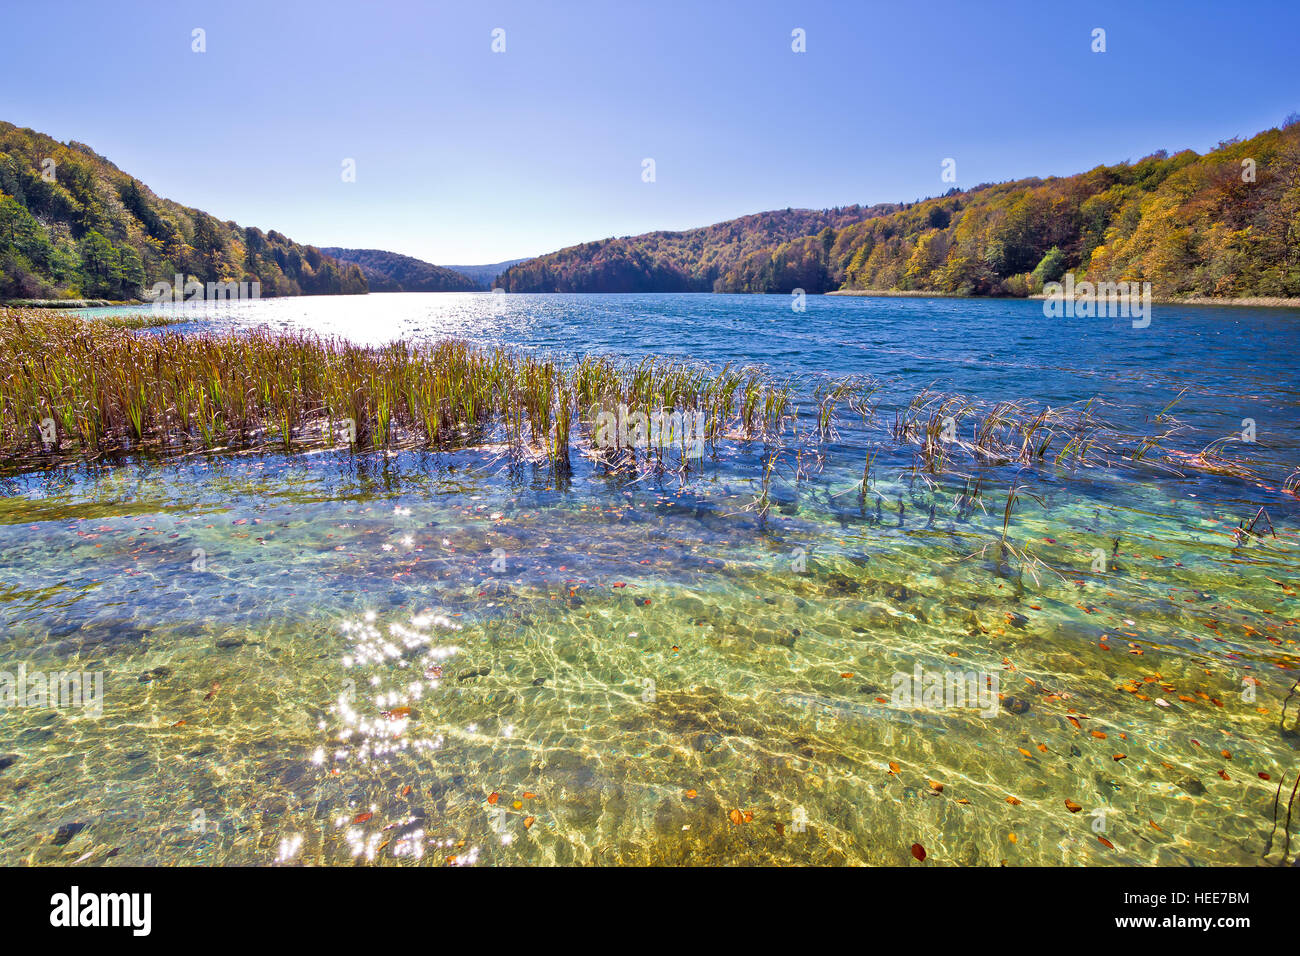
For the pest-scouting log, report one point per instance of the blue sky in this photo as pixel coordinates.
(466, 156)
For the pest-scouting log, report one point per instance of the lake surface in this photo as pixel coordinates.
(458, 659)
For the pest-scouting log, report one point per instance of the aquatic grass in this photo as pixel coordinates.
(103, 389)
(136, 321)
(108, 388)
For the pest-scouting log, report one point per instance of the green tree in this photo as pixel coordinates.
(1050, 268)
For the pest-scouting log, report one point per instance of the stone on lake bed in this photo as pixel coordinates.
(840, 584)
(66, 832)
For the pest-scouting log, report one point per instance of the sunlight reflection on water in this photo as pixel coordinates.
(645, 673)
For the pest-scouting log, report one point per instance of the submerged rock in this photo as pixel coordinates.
(66, 832)
(898, 592)
(840, 584)
(769, 636)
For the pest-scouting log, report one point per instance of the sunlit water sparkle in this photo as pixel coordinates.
(651, 677)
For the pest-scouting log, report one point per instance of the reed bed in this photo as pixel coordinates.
(948, 428)
(91, 389)
(137, 321)
(71, 387)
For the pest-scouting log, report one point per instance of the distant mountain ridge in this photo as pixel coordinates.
(394, 272)
(690, 261)
(73, 225)
(1225, 224)
(486, 275)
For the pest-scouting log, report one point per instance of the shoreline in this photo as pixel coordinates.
(1258, 302)
(66, 303)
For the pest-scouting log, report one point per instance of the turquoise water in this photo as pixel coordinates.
(456, 659)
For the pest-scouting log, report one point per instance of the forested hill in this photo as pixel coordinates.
(79, 227)
(690, 261)
(1191, 225)
(486, 275)
(394, 272)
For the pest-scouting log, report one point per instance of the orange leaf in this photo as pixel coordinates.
(1072, 806)
(691, 794)
(1014, 801)
(918, 851)
(362, 817)
(1075, 721)
(529, 821)
(1106, 843)
(1099, 734)
(893, 767)
(493, 797)
(529, 795)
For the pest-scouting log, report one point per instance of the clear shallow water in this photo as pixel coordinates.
(376, 645)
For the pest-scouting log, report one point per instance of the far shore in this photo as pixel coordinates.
(1266, 302)
(66, 303)
(1263, 302)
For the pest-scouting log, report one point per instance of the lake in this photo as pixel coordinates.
(458, 658)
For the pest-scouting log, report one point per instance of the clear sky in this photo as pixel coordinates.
(464, 155)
